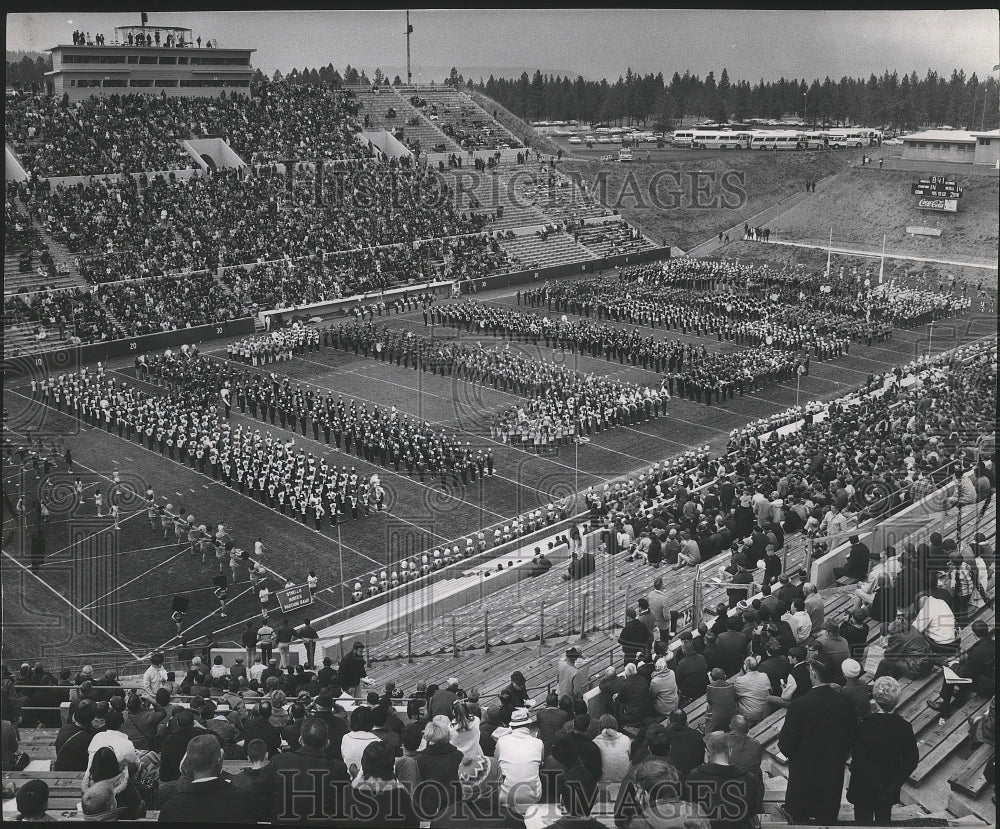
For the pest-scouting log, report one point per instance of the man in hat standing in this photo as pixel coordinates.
(742, 573)
(572, 678)
(519, 755)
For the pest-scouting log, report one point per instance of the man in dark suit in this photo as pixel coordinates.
(817, 739)
(305, 786)
(856, 563)
(687, 746)
(635, 638)
(209, 798)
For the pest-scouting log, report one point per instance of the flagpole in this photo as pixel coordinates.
(881, 267)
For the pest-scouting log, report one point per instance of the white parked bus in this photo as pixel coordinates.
(682, 138)
(848, 137)
(720, 140)
(778, 140)
(816, 140)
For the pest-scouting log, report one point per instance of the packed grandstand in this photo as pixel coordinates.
(668, 646)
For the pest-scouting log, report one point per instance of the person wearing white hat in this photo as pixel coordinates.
(857, 689)
(519, 754)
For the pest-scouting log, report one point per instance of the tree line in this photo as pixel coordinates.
(904, 102)
(25, 72)
(892, 100)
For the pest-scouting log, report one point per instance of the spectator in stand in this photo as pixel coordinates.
(885, 753)
(519, 754)
(977, 664)
(614, 747)
(563, 769)
(253, 779)
(744, 751)
(733, 645)
(105, 766)
(407, 768)
(663, 805)
(439, 762)
(815, 607)
(382, 800)
(351, 671)
(572, 677)
(687, 746)
(32, 801)
(856, 563)
(817, 737)
(752, 689)
(856, 689)
(293, 772)
(726, 793)
(663, 686)
(907, 654)
(635, 638)
(155, 676)
(936, 620)
(557, 712)
(691, 670)
(209, 796)
(74, 738)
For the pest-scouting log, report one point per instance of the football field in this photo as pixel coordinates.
(105, 589)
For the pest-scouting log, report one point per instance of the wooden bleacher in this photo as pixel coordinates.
(376, 106)
(492, 189)
(611, 238)
(531, 251)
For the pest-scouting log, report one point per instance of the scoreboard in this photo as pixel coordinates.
(937, 193)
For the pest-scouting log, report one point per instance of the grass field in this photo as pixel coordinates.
(103, 589)
(682, 197)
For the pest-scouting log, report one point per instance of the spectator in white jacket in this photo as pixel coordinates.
(155, 676)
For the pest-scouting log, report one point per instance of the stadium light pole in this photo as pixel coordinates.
(805, 107)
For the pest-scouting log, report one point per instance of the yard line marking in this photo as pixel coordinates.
(130, 460)
(159, 596)
(195, 624)
(130, 581)
(106, 555)
(49, 587)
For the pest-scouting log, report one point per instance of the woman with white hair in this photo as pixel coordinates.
(885, 752)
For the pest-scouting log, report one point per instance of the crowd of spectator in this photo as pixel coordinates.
(74, 315)
(779, 650)
(135, 133)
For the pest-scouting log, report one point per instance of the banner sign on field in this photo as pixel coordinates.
(294, 598)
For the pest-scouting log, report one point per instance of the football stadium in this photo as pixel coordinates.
(523, 452)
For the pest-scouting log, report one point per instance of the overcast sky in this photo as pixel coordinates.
(596, 43)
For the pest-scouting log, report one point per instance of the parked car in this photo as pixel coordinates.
(576, 140)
